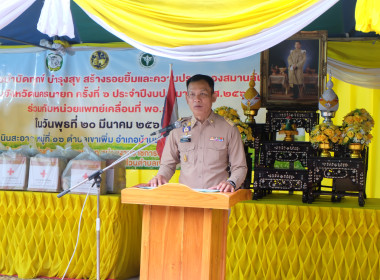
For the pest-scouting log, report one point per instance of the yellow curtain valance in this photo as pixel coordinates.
(364, 54)
(181, 23)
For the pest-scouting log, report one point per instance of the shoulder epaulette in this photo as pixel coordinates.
(184, 119)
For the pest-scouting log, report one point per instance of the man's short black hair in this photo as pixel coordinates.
(200, 77)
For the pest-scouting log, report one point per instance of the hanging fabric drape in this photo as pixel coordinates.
(61, 23)
(367, 16)
(204, 30)
(12, 9)
(361, 68)
(364, 77)
(197, 31)
(365, 54)
(352, 97)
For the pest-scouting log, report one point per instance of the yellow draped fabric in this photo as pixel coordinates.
(367, 15)
(350, 98)
(38, 233)
(364, 54)
(170, 23)
(280, 238)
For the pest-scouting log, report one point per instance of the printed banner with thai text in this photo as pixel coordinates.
(113, 97)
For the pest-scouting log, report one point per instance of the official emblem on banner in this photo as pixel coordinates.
(147, 60)
(99, 60)
(54, 61)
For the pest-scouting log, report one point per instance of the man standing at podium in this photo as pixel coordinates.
(208, 147)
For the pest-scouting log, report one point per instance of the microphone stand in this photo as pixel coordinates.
(96, 176)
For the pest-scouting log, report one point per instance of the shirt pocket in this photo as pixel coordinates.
(187, 153)
(217, 151)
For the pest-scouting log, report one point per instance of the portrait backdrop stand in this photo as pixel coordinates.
(184, 232)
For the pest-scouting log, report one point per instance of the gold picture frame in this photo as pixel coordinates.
(293, 72)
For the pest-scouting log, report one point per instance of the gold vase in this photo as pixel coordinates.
(356, 150)
(250, 114)
(289, 134)
(325, 147)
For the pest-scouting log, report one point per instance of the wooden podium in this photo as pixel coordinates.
(184, 232)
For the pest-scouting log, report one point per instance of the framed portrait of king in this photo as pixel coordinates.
(293, 72)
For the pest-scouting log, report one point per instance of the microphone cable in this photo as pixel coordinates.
(76, 244)
(81, 214)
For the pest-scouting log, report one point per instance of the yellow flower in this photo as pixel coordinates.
(359, 136)
(349, 120)
(233, 112)
(335, 139)
(329, 132)
(321, 138)
(350, 134)
(222, 112)
(357, 119)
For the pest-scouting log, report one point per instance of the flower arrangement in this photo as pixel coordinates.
(357, 126)
(232, 115)
(325, 133)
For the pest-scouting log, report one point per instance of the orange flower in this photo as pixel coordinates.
(357, 119)
(349, 120)
(329, 132)
(335, 139)
(321, 138)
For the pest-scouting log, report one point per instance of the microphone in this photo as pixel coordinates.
(168, 128)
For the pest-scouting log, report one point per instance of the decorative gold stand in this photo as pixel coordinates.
(356, 149)
(250, 116)
(289, 134)
(325, 147)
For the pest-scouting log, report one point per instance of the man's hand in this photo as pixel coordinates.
(157, 181)
(223, 186)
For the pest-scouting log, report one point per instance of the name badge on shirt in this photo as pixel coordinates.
(185, 138)
(218, 139)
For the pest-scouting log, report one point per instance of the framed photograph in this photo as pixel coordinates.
(293, 72)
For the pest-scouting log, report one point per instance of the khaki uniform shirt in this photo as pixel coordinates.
(204, 159)
(296, 62)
